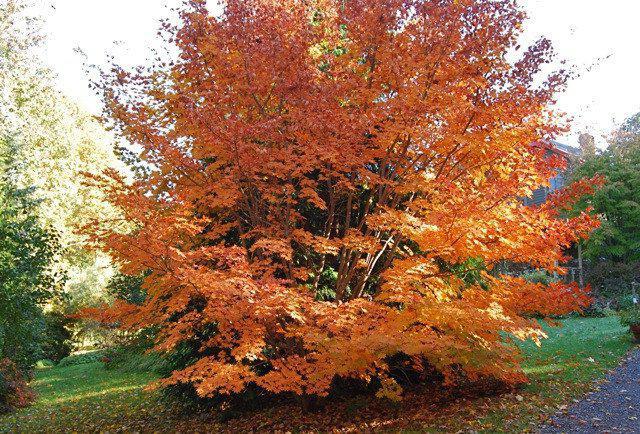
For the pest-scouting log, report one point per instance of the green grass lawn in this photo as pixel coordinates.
(75, 396)
(89, 398)
(563, 369)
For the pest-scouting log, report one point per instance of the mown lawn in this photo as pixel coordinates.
(563, 369)
(87, 398)
(73, 397)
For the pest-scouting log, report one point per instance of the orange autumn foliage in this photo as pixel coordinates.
(321, 178)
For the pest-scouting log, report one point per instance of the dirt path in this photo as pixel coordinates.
(614, 407)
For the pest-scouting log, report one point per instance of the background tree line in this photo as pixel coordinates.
(613, 250)
(46, 142)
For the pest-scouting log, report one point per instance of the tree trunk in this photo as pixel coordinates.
(580, 267)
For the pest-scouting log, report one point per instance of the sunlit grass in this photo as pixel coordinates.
(552, 368)
(83, 381)
(564, 368)
(69, 397)
(580, 351)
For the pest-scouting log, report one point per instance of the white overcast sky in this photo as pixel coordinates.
(599, 37)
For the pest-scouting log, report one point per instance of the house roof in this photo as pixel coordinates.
(569, 150)
(558, 147)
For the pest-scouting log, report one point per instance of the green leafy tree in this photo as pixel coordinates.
(27, 278)
(57, 336)
(55, 141)
(618, 239)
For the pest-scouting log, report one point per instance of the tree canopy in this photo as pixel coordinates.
(329, 188)
(53, 141)
(27, 276)
(618, 201)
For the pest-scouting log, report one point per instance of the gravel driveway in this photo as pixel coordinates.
(613, 408)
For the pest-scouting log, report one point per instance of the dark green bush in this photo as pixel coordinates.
(539, 276)
(630, 317)
(134, 354)
(127, 288)
(128, 359)
(56, 343)
(45, 363)
(611, 284)
(326, 285)
(83, 358)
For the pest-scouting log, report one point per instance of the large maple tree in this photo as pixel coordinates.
(329, 184)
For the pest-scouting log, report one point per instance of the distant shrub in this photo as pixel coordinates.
(133, 355)
(45, 363)
(27, 277)
(603, 306)
(128, 288)
(599, 309)
(539, 276)
(612, 281)
(56, 343)
(132, 360)
(630, 317)
(14, 390)
(82, 358)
